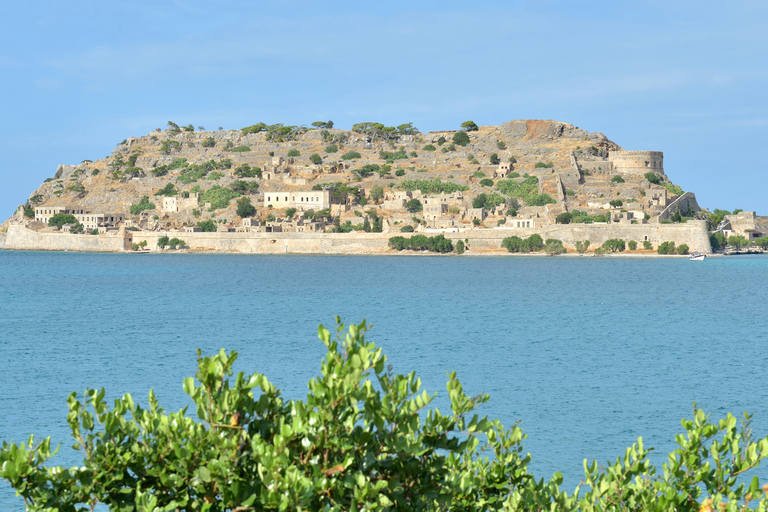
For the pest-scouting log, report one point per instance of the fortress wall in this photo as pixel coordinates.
(691, 233)
(23, 239)
(274, 243)
(684, 203)
(2, 241)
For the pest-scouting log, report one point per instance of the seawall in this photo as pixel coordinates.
(692, 233)
(23, 239)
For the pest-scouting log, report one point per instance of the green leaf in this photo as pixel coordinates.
(189, 385)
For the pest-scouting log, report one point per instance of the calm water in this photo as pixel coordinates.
(589, 353)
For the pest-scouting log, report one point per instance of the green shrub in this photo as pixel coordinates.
(617, 179)
(533, 243)
(241, 149)
(460, 138)
(315, 159)
(429, 147)
(162, 242)
(632, 245)
(614, 245)
(207, 226)
(399, 172)
(616, 203)
(542, 165)
(442, 140)
(761, 242)
(245, 208)
(77, 229)
(218, 196)
(246, 171)
(377, 193)
(564, 218)
(682, 249)
(501, 144)
(244, 187)
(414, 206)
(350, 155)
(488, 201)
(435, 186)
(486, 182)
(469, 126)
(141, 206)
(331, 148)
(647, 245)
(406, 229)
(652, 177)
(737, 241)
(293, 152)
(460, 247)
(673, 189)
(666, 248)
(553, 246)
(208, 143)
(540, 200)
(437, 243)
(176, 242)
(494, 159)
(168, 190)
(392, 156)
(478, 174)
(582, 247)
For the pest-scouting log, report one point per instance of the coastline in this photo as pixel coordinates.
(479, 242)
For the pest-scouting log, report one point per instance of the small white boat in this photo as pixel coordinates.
(697, 256)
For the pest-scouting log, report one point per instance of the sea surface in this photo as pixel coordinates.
(587, 353)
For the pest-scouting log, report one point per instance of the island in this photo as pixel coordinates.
(523, 186)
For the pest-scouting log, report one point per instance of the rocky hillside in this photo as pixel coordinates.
(225, 165)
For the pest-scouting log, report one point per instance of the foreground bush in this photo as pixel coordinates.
(364, 438)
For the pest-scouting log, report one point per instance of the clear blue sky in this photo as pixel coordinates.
(685, 77)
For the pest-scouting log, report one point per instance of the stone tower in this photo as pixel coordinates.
(637, 162)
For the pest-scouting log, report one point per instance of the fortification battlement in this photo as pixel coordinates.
(637, 162)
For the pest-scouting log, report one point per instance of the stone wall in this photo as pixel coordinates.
(2, 241)
(23, 239)
(685, 203)
(691, 233)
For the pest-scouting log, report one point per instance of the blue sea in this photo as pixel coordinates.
(587, 353)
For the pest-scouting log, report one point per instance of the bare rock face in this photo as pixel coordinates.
(544, 130)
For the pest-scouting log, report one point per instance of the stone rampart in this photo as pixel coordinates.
(685, 203)
(273, 243)
(24, 239)
(2, 241)
(691, 233)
